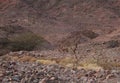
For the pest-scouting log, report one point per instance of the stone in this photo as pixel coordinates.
(1, 73)
(110, 76)
(43, 80)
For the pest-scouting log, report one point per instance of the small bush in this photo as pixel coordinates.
(26, 41)
(90, 34)
(112, 44)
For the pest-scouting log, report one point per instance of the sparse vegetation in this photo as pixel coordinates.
(17, 38)
(88, 63)
(26, 41)
(100, 63)
(112, 44)
(90, 34)
(83, 41)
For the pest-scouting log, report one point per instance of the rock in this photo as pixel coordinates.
(91, 81)
(43, 80)
(32, 72)
(23, 81)
(5, 80)
(90, 73)
(1, 73)
(20, 52)
(16, 78)
(110, 76)
(35, 81)
(52, 78)
(84, 79)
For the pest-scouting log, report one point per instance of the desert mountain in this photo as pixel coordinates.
(60, 41)
(55, 19)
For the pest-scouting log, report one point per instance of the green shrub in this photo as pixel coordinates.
(26, 41)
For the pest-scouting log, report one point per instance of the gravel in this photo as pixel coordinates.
(25, 72)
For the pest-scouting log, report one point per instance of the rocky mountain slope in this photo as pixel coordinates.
(60, 17)
(78, 41)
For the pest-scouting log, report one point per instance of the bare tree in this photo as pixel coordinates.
(74, 50)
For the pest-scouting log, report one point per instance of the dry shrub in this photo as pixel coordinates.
(90, 34)
(112, 44)
(26, 41)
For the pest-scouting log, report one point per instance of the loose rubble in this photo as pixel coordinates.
(33, 72)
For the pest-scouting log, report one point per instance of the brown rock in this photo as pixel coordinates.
(110, 76)
(1, 73)
(43, 80)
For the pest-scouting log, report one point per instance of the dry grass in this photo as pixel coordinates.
(27, 41)
(70, 62)
(109, 65)
(104, 63)
(46, 62)
(25, 59)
